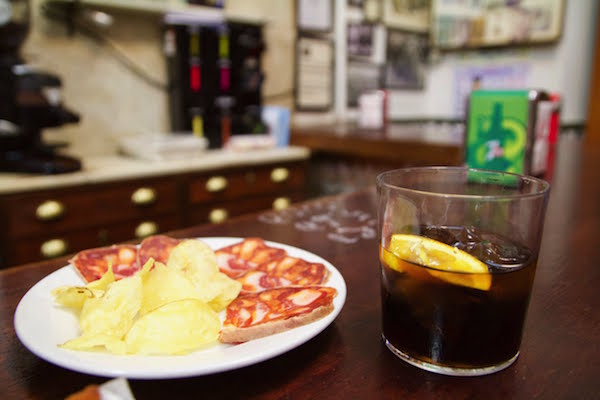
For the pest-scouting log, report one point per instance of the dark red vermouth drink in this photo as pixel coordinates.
(455, 321)
(459, 249)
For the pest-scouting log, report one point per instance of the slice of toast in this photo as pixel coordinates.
(255, 315)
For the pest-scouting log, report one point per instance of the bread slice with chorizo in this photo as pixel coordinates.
(255, 315)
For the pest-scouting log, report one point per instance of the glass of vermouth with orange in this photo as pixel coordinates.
(458, 249)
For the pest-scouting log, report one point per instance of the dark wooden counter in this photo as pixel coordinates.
(560, 354)
(396, 145)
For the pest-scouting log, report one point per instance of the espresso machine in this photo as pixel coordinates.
(30, 101)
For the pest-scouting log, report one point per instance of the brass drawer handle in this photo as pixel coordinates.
(218, 215)
(146, 228)
(216, 184)
(281, 203)
(280, 174)
(50, 210)
(143, 196)
(54, 248)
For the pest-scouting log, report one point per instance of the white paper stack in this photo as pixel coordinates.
(159, 147)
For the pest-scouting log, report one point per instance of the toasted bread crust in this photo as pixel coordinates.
(232, 334)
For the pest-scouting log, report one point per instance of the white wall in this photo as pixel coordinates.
(564, 67)
(111, 100)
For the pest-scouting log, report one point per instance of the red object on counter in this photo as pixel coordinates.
(195, 78)
(225, 78)
(553, 134)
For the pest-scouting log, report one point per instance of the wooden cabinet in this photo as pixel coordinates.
(55, 222)
(214, 197)
(52, 223)
(69, 209)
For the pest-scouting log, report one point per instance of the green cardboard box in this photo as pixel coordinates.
(499, 131)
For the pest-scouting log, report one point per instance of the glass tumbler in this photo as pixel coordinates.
(458, 250)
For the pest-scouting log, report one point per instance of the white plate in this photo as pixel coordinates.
(41, 326)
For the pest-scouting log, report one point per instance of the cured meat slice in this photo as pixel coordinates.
(285, 271)
(158, 247)
(257, 281)
(255, 315)
(93, 263)
(237, 259)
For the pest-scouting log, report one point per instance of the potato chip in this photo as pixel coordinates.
(198, 263)
(195, 259)
(113, 313)
(162, 309)
(146, 268)
(74, 296)
(104, 281)
(174, 328)
(221, 290)
(97, 342)
(163, 285)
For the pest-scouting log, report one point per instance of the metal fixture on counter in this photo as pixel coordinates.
(218, 215)
(216, 184)
(280, 174)
(146, 228)
(281, 203)
(50, 210)
(143, 196)
(54, 248)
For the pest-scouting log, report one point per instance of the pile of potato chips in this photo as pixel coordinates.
(162, 309)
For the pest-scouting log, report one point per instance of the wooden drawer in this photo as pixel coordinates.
(32, 249)
(77, 208)
(93, 215)
(219, 212)
(238, 183)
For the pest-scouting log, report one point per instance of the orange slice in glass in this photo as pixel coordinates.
(443, 261)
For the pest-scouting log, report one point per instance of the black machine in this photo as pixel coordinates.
(29, 102)
(216, 76)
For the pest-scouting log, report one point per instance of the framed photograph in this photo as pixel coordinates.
(356, 3)
(372, 10)
(405, 64)
(360, 37)
(457, 24)
(408, 15)
(314, 74)
(546, 20)
(362, 77)
(314, 15)
(209, 3)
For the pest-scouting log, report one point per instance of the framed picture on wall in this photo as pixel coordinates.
(457, 24)
(314, 74)
(408, 15)
(362, 77)
(372, 10)
(314, 15)
(405, 64)
(360, 37)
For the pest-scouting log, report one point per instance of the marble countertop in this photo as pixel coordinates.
(115, 167)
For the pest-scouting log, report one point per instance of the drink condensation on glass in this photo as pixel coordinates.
(458, 254)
